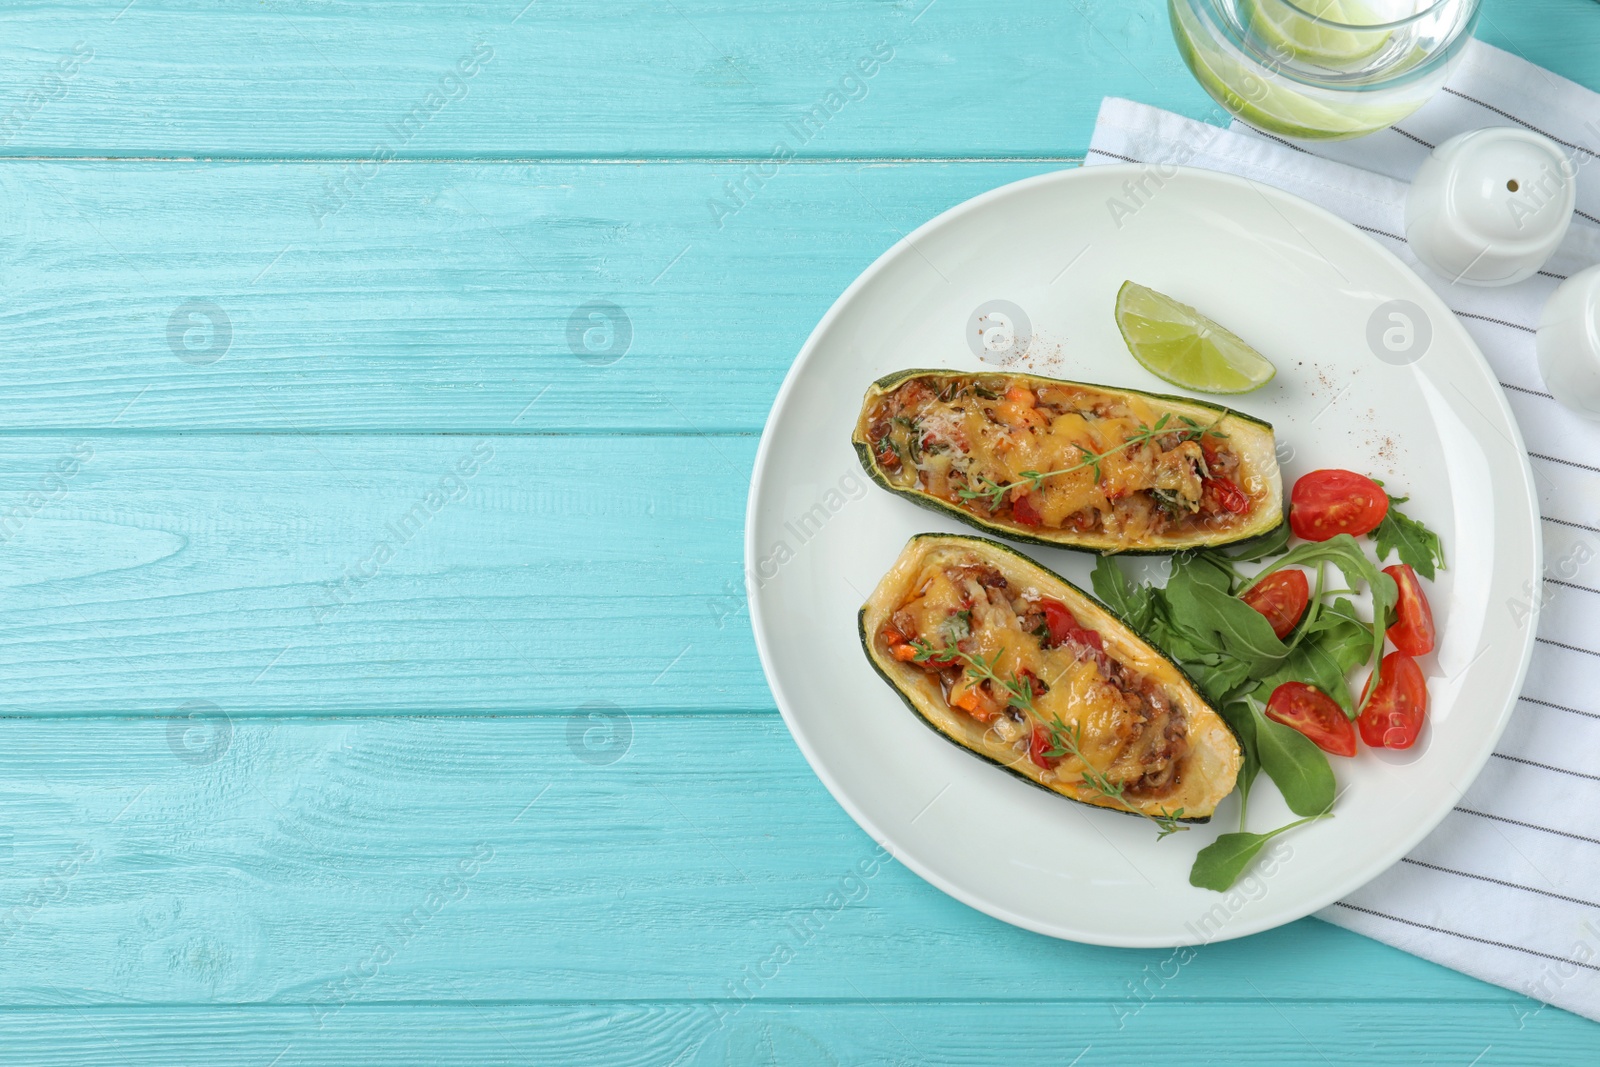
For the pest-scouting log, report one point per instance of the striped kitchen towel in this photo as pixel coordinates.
(1508, 887)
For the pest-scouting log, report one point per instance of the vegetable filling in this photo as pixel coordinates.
(1045, 686)
(1058, 457)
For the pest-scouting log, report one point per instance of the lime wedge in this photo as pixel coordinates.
(1297, 30)
(1177, 344)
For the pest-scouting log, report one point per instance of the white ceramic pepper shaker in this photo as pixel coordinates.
(1489, 206)
(1569, 343)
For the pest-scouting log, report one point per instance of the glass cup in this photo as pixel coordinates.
(1322, 70)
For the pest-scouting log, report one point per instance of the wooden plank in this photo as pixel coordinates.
(320, 863)
(960, 1034)
(188, 297)
(635, 79)
(571, 77)
(315, 574)
(1559, 35)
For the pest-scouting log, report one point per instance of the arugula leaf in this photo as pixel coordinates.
(1218, 680)
(1325, 652)
(1137, 605)
(1219, 864)
(1242, 719)
(1202, 569)
(1220, 622)
(1258, 548)
(1339, 635)
(1111, 585)
(1341, 614)
(1191, 650)
(1146, 609)
(1416, 544)
(1295, 764)
(1344, 552)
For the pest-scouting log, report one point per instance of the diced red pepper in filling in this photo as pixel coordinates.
(1230, 496)
(1040, 744)
(1064, 627)
(1023, 511)
(1059, 619)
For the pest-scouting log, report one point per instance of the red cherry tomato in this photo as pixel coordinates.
(1393, 717)
(1038, 745)
(1024, 512)
(1282, 597)
(1412, 632)
(1331, 502)
(1314, 713)
(1230, 496)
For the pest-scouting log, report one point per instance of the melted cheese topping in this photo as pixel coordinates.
(991, 431)
(1125, 724)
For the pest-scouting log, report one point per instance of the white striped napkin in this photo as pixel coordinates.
(1508, 887)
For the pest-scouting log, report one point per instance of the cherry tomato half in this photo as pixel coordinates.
(1412, 632)
(1024, 512)
(1327, 503)
(1393, 717)
(1282, 597)
(1315, 714)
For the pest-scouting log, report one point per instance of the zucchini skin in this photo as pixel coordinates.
(987, 544)
(1064, 538)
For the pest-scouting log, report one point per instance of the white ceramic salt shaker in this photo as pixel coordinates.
(1569, 343)
(1489, 206)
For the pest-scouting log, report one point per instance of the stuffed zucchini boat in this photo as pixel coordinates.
(1018, 666)
(1068, 464)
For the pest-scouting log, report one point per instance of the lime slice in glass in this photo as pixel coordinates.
(1271, 103)
(1295, 30)
(1177, 344)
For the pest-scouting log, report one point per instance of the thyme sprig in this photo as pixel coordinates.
(1065, 741)
(994, 492)
(1068, 741)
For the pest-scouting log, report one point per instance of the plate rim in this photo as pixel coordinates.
(899, 249)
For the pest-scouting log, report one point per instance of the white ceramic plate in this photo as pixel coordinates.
(1303, 287)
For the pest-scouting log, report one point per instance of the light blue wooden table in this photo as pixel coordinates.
(316, 434)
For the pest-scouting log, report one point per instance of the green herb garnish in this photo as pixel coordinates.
(993, 492)
(1068, 741)
(958, 627)
(1064, 740)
